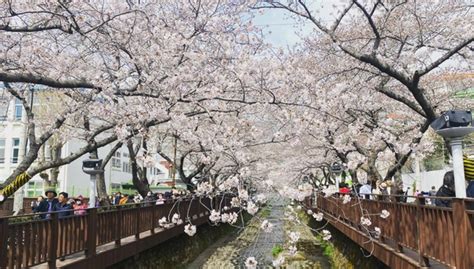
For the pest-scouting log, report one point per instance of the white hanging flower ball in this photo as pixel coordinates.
(252, 208)
(235, 202)
(310, 212)
(279, 261)
(326, 235)
(365, 221)
(318, 216)
(243, 194)
(377, 232)
(251, 263)
(175, 218)
(292, 250)
(162, 222)
(190, 229)
(266, 226)
(346, 199)
(225, 217)
(233, 218)
(215, 216)
(384, 214)
(294, 237)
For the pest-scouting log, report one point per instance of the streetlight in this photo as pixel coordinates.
(336, 169)
(454, 126)
(92, 168)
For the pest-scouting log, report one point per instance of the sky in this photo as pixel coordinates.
(282, 31)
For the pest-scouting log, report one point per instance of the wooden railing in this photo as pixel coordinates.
(443, 234)
(37, 241)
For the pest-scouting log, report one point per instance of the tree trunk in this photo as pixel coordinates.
(102, 190)
(142, 186)
(55, 156)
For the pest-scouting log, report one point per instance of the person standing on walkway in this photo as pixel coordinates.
(149, 198)
(365, 190)
(117, 198)
(80, 207)
(124, 199)
(35, 204)
(447, 190)
(63, 206)
(48, 204)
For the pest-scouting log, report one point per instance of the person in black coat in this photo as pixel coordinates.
(47, 205)
(447, 190)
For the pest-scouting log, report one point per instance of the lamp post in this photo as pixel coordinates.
(92, 168)
(336, 169)
(455, 137)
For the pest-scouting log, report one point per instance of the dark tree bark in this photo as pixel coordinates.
(140, 183)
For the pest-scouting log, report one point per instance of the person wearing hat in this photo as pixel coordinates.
(63, 206)
(79, 206)
(48, 204)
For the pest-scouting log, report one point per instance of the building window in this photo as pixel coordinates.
(2, 150)
(4, 102)
(15, 149)
(154, 171)
(126, 167)
(116, 161)
(18, 109)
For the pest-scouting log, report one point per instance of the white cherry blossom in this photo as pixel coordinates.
(266, 226)
(365, 221)
(252, 208)
(318, 216)
(384, 214)
(251, 263)
(326, 235)
(190, 229)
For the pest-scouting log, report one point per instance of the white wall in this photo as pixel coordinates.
(73, 180)
(428, 179)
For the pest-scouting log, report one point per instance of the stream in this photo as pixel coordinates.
(232, 250)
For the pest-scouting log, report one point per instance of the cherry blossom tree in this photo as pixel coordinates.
(393, 57)
(127, 66)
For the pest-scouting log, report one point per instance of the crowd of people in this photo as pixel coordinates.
(67, 206)
(119, 198)
(371, 190)
(62, 203)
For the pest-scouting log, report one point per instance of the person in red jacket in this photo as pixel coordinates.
(344, 189)
(80, 206)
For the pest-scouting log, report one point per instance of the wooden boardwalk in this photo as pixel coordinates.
(413, 236)
(96, 239)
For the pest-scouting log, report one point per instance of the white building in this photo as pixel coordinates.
(71, 178)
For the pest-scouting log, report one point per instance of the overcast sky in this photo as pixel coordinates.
(282, 31)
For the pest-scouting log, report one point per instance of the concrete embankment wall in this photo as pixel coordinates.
(342, 252)
(178, 251)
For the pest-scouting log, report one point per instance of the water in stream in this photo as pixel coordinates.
(233, 250)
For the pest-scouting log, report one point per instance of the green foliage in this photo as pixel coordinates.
(438, 158)
(265, 213)
(22, 219)
(276, 250)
